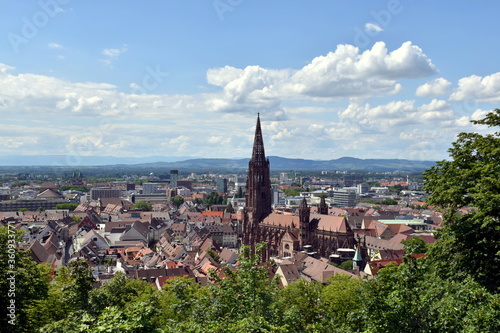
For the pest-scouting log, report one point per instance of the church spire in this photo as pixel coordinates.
(258, 194)
(258, 154)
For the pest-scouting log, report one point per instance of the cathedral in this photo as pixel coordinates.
(287, 234)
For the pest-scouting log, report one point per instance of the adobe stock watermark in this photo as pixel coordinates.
(87, 145)
(150, 81)
(11, 273)
(383, 18)
(221, 7)
(96, 137)
(31, 25)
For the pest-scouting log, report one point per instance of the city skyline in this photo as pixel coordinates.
(395, 79)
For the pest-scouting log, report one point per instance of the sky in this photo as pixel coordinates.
(365, 79)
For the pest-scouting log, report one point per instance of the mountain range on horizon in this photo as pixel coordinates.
(190, 163)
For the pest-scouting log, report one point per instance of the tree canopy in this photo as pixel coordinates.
(293, 191)
(213, 198)
(66, 205)
(143, 205)
(177, 201)
(469, 245)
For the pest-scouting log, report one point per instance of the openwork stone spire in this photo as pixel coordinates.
(258, 154)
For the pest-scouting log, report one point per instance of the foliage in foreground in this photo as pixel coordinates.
(406, 298)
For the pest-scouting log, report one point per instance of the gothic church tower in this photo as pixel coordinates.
(304, 224)
(258, 193)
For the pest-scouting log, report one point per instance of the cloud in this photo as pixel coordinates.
(380, 117)
(347, 73)
(55, 46)
(481, 89)
(112, 54)
(434, 88)
(5, 68)
(344, 73)
(387, 117)
(436, 110)
(479, 114)
(372, 27)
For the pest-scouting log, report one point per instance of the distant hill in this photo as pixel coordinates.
(282, 163)
(213, 164)
(76, 160)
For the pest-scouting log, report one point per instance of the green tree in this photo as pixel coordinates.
(396, 189)
(116, 292)
(293, 191)
(143, 205)
(19, 184)
(339, 298)
(120, 305)
(177, 201)
(410, 298)
(297, 307)
(66, 205)
(229, 208)
(393, 301)
(182, 298)
(469, 244)
(76, 218)
(346, 265)
(389, 201)
(243, 294)
(414, 245)
(75, 281)
(135, 318)
(80, 188)
(23, 283)
(213, 198)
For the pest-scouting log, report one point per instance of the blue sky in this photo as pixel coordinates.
(368, 79)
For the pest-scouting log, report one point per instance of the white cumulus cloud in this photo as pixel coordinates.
(434, 88)
(344, 73)
(481, 89)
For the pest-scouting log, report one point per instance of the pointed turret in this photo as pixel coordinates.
(323, 207)
(357, 260)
